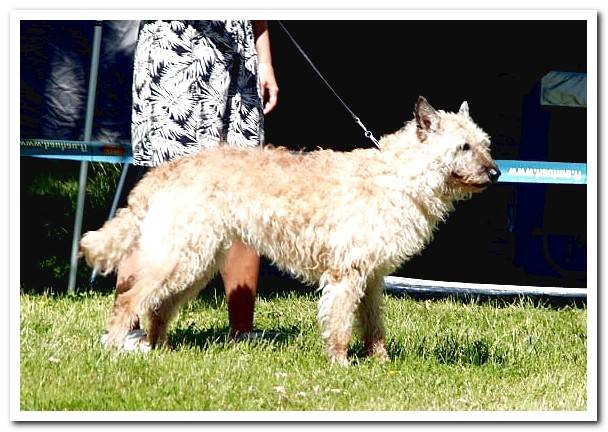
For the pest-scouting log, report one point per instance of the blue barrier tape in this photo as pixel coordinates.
(91, 151)
(89, 158)
(513, 171)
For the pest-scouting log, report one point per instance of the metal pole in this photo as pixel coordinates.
(119, 188)
(84, 165)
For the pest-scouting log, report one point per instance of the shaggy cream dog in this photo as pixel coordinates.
(342, 220)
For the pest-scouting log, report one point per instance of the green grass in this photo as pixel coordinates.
(445, 355)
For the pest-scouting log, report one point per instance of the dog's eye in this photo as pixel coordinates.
(465, 147)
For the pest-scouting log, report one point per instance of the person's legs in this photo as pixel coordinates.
(240, 273)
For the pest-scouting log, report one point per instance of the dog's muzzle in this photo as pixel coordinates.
(493, 174)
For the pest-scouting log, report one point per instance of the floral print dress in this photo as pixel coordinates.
(195, 85)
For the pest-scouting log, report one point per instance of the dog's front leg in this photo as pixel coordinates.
(371, 322)
(342, 292)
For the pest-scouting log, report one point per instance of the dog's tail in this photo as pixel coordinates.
(105, 248)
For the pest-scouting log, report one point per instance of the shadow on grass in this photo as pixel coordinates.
(446, 349)
(203, 339)
(450, 349)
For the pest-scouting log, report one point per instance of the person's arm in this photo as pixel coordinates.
(270, 89)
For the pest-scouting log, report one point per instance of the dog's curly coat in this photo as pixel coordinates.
(343, 220)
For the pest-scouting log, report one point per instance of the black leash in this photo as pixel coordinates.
(366, 132)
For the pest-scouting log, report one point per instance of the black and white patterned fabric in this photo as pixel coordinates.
(195, 85)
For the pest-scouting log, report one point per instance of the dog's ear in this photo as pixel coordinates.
(427, 118)
(464, 109)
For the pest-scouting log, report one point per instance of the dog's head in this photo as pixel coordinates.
(460, 144)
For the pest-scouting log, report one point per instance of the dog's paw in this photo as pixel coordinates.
(135, 341)
(381, 356)
(339, 359)
(377, 350)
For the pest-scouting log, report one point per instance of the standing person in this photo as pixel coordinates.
(200, 84)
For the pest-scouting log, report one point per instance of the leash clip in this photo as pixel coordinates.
(366, 132)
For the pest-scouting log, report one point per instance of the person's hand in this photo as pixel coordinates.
(270, 89)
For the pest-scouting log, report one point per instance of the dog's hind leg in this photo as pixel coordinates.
(193, 270)
(342, 292)
(160, 316)
(370, 320)
(125, 279)
(125, 311)
(145, 288)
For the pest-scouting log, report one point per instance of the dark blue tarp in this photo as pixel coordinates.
(55, 62)
(566, 89)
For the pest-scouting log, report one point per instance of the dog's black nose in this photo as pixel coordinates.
(493, 174)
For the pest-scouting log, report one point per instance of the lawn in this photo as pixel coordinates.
(445, 355)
